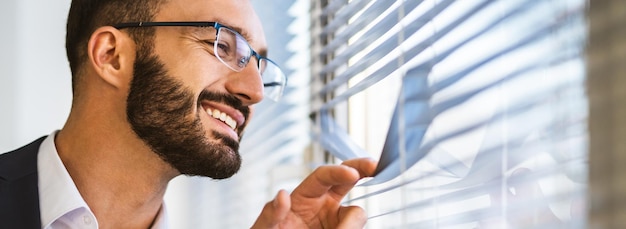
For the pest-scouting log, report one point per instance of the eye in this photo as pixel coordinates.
(223, 48)
(220, 48)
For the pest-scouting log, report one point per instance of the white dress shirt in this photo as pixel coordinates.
(60, 203)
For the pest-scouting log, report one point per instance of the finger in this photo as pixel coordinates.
(281, 204)
(365, 166)
(274, 211)
(323, 178)
(351, 217)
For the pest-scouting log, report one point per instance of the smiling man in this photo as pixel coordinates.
(160, 88)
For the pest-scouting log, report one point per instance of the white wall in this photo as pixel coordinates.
(35, 80)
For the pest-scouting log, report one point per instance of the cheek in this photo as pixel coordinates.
(182, 61)
(191, 64)
(200, 70)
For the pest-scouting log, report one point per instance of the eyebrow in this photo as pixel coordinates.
(238, 30)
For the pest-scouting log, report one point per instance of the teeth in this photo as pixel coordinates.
(231, 123)
(222, 117)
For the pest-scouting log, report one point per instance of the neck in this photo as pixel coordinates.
(120, 178)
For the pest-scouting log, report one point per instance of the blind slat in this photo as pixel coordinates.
(511, 79)
(374, 33)
(344, 15)
(516, 212)
(332, 7)
(414, 51)
(377, 30)
(393, 169)
(385, 48)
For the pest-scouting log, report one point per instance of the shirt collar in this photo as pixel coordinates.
(161, 221)
(58, 195)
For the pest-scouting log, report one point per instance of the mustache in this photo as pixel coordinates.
(224, 98)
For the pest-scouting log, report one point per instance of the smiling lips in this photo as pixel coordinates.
(215, 113)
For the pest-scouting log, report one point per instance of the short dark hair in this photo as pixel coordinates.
(85, 16)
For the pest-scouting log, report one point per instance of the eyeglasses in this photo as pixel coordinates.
(232, 49)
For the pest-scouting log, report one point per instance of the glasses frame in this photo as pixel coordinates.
(217, 27)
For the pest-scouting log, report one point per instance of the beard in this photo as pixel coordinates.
(160, 110)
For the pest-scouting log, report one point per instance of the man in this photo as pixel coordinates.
(160, 88)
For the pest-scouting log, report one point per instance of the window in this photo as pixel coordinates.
(476, 109)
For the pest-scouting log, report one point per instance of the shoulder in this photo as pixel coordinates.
(20, 162)
(19, 195)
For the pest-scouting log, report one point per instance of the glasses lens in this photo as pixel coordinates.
(274, 79)
(232, 49)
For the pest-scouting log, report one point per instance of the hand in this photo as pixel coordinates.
(316, 202)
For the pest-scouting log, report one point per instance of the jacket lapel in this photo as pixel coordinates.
(19, 196)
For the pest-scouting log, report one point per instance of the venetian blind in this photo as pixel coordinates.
(475, 109)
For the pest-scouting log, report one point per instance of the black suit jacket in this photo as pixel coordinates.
(19, 195)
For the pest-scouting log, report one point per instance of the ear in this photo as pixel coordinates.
(111, 55)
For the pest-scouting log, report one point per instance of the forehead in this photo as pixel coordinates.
(236, 14)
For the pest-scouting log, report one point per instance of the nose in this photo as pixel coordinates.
(247, 84)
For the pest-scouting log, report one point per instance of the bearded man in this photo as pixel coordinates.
(161, 88)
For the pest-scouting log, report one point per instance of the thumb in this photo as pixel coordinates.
(274, 212)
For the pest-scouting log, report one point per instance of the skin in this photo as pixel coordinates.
(315, 203)
(105, 157)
